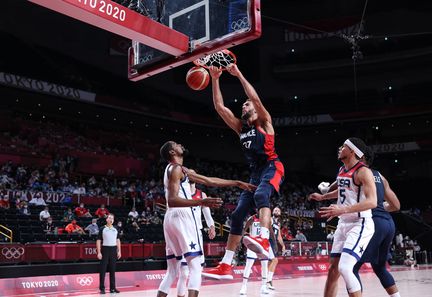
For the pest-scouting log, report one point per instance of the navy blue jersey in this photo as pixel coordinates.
(257, 145)
(379, 211)
(276, 227)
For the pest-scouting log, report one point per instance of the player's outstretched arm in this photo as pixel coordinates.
(175, 176)
(225, 113)
(262, 112)
(393, 203)
(219, 182)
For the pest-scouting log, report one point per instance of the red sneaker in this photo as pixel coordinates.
(258, 245)
(222, 271)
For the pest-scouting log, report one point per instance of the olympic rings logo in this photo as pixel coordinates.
(84, 281)
(240, 24)
(12, 252)
(323, 267)
(145, 58)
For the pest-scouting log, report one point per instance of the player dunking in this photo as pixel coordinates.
(180, 228)
(356, 194)
(379, 246)
(257, 139)
(197, 194)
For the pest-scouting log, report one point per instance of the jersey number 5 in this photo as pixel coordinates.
(342, 195)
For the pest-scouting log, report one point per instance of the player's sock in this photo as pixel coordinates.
(395, 295)
(264, 271)
(265, 233)
(228, 257)
(270, 276)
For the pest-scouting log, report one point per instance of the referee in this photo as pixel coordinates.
(108, 250)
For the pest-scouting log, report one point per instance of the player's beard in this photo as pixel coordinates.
(185, 152)
(246, 115)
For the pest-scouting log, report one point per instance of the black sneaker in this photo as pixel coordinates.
(101, 291)
(114, 291)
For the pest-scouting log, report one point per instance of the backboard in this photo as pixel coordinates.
(167, 33)
(211, 25)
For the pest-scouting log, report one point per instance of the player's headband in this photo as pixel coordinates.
(352, 146)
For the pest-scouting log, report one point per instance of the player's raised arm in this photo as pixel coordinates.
(175, 176)
(225, 113)
(393, 203)
(262, 112)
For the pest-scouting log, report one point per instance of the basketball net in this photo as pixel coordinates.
(221, 59)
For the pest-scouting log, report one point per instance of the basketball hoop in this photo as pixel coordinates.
(221, 59)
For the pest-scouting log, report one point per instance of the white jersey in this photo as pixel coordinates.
(255, 227)
(184, 189)
(349, 193)
(182, 235)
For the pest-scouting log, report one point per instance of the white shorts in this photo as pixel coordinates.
(252, 255)
(184, 262)
(352, 237)
(182, 237)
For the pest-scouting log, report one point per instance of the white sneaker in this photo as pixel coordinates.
(264, 290)
(270, 285)
(243, 290)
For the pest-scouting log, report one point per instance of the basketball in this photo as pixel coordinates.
(197, 78)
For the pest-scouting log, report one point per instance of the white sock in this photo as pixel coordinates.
(395, 295)
(228, 257)
(265, 233)
(270, 276)
(264, 271)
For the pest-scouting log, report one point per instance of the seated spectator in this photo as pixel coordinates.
(74, 228)
(81, 211)
(300, 236)
(48, 226)
(68, 216)
(120, 229)
(81, 190)
(102, 212)
(93, 228)
(19, 203)
(156, 220)
(4, 202)
(330, 236)
(37, 201)
(286, 233)
(44, 214)
(409, 261)
(25, 210)
(133, 213)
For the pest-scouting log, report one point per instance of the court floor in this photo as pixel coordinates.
(411, 282)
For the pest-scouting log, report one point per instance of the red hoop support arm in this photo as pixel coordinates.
(122, 21)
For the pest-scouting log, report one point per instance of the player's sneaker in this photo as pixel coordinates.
(264, 290)
(258, 245)
(270, 285)
(222, 271)
(243, 290)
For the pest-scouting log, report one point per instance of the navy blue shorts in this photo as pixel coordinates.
(267, 179)
(273, 246)
(378, 249)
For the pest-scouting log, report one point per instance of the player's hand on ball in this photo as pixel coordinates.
(246, 186)
(316, 196)
(215, 72)
(233, 70)
(212, 202)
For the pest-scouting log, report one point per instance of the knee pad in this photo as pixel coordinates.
(384, 276)
(195, 269)
(346, 266)
(182, 280)
(170, 276)
(262, 195)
